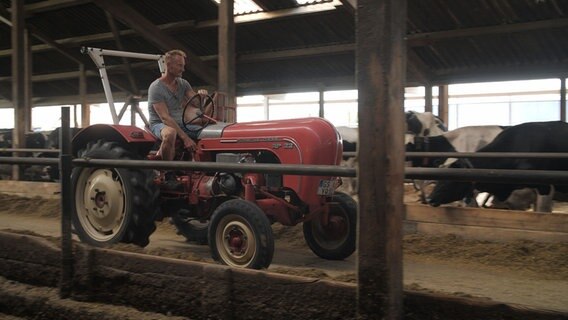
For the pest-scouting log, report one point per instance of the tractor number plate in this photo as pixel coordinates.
(326, 187)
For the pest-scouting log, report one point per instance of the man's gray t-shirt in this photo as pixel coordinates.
(159, 92)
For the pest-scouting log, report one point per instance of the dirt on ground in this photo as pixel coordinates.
(547, 261)
(526, 259)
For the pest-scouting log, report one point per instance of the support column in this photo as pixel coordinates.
(381, 70)
(428, 98)
(443, 103)
(266, 108)
(28, 83)
(227, 82)
(563, 99)
(321, 103)
(18, 81)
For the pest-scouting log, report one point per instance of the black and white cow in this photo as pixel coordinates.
(417, 125)
(528, 137)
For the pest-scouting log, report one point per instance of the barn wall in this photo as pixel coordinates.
(205, 291)
(485, 224)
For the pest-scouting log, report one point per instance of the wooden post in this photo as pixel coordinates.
(266, 107)
(443, 103)
(28, 83)
(428, 98)
(18, 81)
(563, 99)
(133, 109)
(321, 103)
(381, 69)
(66, 282)
(227, 82)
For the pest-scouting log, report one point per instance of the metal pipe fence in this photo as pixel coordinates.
(459, 174)
(496, 155)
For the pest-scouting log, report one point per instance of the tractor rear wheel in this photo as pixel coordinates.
(240, 235)
(113, 205)
(337, 239)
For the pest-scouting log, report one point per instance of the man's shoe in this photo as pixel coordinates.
(172, 185)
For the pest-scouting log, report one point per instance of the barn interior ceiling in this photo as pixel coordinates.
(286, 47)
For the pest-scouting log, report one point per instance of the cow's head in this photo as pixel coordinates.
(424, 124)
(449, 191)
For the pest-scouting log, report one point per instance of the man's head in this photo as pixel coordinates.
(175, 62)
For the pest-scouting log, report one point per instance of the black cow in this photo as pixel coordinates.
(52, 172)
(34, 140)
(528, 137)
(53, 137)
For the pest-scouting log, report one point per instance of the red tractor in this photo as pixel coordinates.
(232, 212)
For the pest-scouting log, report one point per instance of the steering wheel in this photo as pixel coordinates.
(202, 101)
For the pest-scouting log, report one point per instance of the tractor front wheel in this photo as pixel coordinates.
(336, 240)
(240, 235)
(113, 205)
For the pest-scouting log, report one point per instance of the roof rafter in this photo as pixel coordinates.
(119, 45)
(130, 17)
(50, 5)
(428, 38)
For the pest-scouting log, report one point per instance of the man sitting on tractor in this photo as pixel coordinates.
(167, 98)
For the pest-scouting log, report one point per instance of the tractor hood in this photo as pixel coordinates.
(314, 140)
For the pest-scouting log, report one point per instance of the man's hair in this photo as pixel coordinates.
(175, 52)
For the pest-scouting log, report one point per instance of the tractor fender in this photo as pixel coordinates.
(133, 138)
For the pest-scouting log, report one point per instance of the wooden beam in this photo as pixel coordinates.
(50, 5)
(271, 5)
(427, 38)
(563, 99)
(130, 17)
(184, 26)
(5, 16)
(119, 45)
(428, 98)
(381, 68)
(296, 53)
(28, 64)
(227, 63)
(349, 5)
(443, 105)
(491, 218)
(18, 81)
(501, 73)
